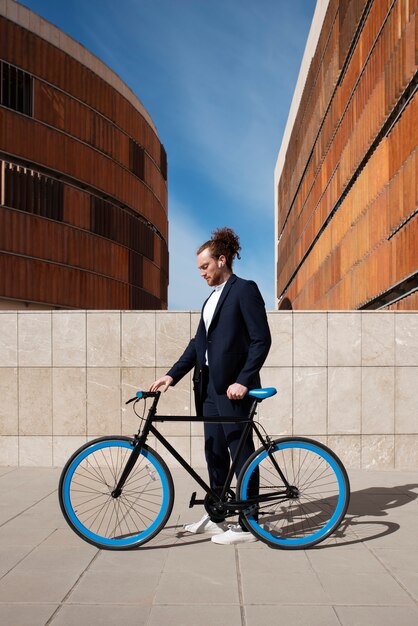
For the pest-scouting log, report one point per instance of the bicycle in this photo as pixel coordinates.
(117, 493)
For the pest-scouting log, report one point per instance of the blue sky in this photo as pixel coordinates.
(217, 77)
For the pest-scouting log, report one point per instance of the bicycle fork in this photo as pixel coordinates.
(127, 469)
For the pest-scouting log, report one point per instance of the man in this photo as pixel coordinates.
(231, 344)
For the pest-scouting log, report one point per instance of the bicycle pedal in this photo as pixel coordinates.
(194, 500)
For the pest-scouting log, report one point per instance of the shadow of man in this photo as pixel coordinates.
(376, 501)
(360, 524)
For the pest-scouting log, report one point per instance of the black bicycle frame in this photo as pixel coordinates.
(235, 505)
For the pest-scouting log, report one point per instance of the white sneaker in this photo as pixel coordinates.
(205, 525)
(234, 535)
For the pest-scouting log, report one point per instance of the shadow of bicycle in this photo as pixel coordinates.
(360, 524)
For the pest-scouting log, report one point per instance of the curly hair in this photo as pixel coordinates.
(224, 242)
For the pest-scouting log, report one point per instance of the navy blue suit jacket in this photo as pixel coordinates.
(237, 342)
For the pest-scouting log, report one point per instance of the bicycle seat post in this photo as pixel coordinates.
(253, 409)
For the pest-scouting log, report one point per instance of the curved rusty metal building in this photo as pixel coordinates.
(346, 175)
(83, 177)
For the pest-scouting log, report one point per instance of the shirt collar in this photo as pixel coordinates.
(221, 286)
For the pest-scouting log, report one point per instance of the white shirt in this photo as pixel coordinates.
(210, 307)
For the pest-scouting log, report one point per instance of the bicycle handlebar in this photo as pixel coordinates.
(141, 395)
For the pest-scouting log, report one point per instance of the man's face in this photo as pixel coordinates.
(209, 268)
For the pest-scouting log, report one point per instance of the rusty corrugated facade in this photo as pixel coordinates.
(347, 195)
(83, 185)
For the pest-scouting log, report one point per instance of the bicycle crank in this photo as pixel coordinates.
(215, 508)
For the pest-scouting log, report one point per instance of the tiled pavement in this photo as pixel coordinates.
(366, 575)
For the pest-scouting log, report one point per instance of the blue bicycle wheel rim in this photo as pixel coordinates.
(83, 530)
(327, 528)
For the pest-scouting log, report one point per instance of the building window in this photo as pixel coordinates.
(141, 299)
(29, 191)
(400, 290)
(141, 237)
(103, 219)
(136, 159)
(163, 162)
(113, 223)
(16, 89)
(135, 269)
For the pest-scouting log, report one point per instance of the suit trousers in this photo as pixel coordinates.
(221, 440)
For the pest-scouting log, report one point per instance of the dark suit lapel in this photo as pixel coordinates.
(225, 292)
(204, 304)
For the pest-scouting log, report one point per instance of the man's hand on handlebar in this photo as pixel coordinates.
(164, 382)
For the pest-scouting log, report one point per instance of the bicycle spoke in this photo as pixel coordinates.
(311, 509)
(92, 474)
(116, 519)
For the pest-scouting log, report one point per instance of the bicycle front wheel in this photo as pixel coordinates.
(313, 506)
(115, 523)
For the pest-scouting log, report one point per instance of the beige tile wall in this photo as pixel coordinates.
(349, 379)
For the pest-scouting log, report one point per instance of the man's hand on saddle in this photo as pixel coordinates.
(236, 391)
(164, 381)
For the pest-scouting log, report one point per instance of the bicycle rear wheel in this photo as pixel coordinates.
(308, 513)
(124, 522)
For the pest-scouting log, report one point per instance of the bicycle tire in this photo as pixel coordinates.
(323, 493)
(122, 523)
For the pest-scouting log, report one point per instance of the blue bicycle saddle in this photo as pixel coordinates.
(262, 394)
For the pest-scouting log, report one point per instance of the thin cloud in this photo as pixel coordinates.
(222, 71)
